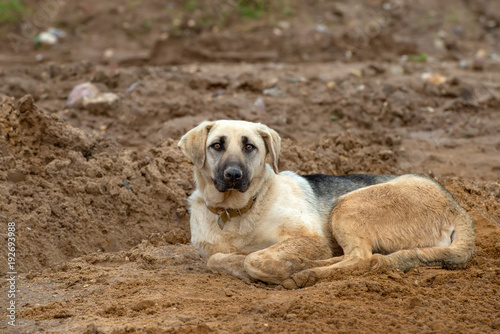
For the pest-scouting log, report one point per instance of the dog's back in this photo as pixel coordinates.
(328, 189)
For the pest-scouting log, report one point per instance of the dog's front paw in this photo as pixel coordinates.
(300, 280)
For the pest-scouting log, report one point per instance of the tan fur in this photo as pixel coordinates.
(284, 238)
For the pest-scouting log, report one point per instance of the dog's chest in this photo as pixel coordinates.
(249, 235)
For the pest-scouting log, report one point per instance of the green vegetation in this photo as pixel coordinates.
(147, 24)
(420, 58)
(191, 5)
(220, 14)
(252, 9)
(11, 11)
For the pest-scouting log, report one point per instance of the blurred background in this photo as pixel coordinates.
(175, 32)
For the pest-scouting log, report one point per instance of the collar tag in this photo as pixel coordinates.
(220, 222)
(225, 215)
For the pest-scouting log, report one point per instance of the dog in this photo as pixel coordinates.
(256, 223)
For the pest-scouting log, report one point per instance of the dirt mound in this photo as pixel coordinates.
(343, 153)
(71, 193)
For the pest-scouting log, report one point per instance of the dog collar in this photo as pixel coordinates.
(225, 215)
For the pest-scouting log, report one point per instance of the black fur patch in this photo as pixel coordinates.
(333, 187)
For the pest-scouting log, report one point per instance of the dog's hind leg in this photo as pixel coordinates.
(456, 255)
(357, 255)
(445, 257)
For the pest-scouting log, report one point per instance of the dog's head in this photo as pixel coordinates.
(231, 153)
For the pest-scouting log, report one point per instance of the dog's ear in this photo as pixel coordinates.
(193, 143)
(273, 144)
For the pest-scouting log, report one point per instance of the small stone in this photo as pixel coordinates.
(108, 54)
(46, 38)
(321, 28)
(396, 69)
(284, 24)
(463, 63)
(273, 92)
(356, 73)
(260, 104)
(218, 93)
(101, 103)
(479, 59)
(270, 83)
(81, 91)
(433, 78)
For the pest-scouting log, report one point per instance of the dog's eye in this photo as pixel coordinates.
(217, 146)
(249, 147)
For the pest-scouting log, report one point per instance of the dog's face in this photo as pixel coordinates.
(231, 154)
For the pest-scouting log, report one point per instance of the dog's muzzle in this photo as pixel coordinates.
(232, 177)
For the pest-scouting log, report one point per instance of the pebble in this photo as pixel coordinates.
(396, 69)
(459, 31)
(46, 38)
(321, 28)
(260, 104)
(81, 91)
(273, 92)
(218, 93)
(57, 32)
(102, 99)
(270, 83)
(49, 37)
(356, 73)
(133, 86)
(284, 25)
(479, 59)
(463, 63)
(108, 54)
(433, 78)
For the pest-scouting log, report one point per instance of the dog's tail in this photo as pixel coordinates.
(456, 255)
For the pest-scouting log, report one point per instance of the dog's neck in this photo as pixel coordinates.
(225, 215)
(231, 199)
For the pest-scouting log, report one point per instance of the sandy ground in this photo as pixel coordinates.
(98, 194)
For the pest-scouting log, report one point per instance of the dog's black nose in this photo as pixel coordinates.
(233, 174)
